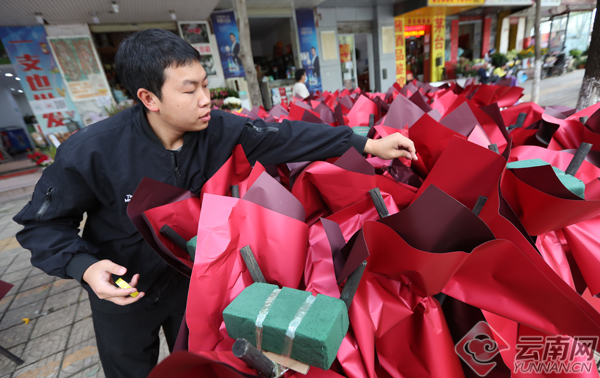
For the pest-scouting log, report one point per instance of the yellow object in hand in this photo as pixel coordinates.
(124, 285)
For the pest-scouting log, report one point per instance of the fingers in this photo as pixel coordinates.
(408, 145)
(113, 268)
(107, 291)
(124, 301)
(134, 280)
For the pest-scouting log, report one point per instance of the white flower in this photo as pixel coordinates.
(232, 101)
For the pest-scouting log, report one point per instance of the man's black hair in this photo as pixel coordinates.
(143, 57)
(299, 73)
(231, 34)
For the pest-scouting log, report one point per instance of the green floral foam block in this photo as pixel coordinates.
(318, 336)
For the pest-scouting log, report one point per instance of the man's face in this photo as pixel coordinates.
(313, 51)
(232, 37)
(185, 104)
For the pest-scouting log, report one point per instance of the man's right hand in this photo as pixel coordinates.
(99, 277)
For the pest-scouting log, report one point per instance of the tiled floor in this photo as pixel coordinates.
(59, 339)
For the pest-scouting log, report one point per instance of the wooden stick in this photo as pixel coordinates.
(582, 151)
(173, 236)
(235, 191)
(494, 147)
(252, 264)
(379, 203)
(583, 119)
(352, 285)
(248, 353)
(371, 121)
(521, 119)
(479, 205)
(11, 356)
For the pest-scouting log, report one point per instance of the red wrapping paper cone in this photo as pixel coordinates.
(361, 111)
(465, 171)
(559, 159)
(220, 274)
(206, 365)
(553, 251)
(534, 113)
(325, 189)
(443, 103)
(585, 247)
(430, 139)
(538, 211)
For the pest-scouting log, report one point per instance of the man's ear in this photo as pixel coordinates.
(149, 99)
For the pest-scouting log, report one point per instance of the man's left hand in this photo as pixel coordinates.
(392, 146)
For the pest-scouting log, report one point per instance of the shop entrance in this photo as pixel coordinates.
(418, 48)
(355, 59)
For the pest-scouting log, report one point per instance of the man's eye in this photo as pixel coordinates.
(192, 92)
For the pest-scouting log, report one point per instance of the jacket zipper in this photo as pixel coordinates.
(45, 204)
(262, 129)
(175, 168)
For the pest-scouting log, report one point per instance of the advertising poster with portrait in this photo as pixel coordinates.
(309, 49)
(28, 50)
(80, 66)
(197, 34)
(228, 40)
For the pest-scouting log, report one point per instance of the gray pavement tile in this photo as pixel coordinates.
(15, 289)
(18, 264)
(7, 258)
(10, 231)
(4, 303)
(163, 352)
(16, 276)
(61, 285)
(81, 332)
(62, 300)
(46, 368)
(30, 296)
(16, 335)
(14, 317)
(51, 322)
(7, 367)
(35, 281)
(35, 271)
(79, 357)
(94, 371)
(45, 346)
(84, 310)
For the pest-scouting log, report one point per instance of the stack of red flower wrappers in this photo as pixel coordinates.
(435, 268)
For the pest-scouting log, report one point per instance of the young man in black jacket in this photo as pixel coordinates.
(173, 137)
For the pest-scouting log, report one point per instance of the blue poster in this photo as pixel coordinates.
(309, 49)
(228, 40)
(39, 76)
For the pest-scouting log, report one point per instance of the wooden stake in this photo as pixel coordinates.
(252, 264)
(248, 353)
(582, 151)
(379, 203)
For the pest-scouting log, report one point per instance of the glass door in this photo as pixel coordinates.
(348, 61)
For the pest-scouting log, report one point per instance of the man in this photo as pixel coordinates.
(235, 49)
(172, 136)
(315, 62)
(300, 89)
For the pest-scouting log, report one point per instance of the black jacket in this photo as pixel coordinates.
(98, 169)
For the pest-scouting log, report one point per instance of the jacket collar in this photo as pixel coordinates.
(147, 130)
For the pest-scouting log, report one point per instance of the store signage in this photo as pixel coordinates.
(309, 49)
(454, 2)
(438, 44)
(399, 25)
(198, 35)
(228, 40)
(80, 67)
(414, 31)
(42, 83)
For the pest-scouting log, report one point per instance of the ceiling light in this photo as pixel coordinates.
(8, 74)
(39, 18)
(95, 18)
(115, 7)
(17, 78)
(12, 89)
(20, 91)
(173, 15)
